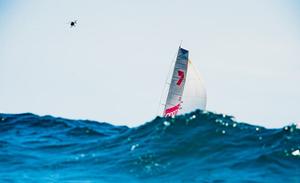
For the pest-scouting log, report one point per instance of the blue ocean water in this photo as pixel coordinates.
(196, 147)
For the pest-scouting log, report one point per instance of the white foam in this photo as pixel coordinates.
(296, 152)
(133, 147)
(167, 123)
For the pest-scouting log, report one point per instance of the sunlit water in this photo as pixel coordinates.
(197, 147)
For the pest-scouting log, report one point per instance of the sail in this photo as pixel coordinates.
(174, 98)
(186, 92)
(194, 94)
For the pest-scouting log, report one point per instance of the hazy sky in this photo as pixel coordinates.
(113, 65)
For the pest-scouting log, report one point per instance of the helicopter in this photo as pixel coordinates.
(73, 23)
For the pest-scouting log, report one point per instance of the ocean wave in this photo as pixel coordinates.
(197, 147)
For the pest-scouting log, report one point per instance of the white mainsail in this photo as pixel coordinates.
(186, 92)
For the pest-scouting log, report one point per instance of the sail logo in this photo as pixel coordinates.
(180, 74)
(172, 111)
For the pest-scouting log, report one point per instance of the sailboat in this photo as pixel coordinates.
(186, 91)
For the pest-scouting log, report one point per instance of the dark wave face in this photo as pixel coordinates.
(196, 147)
